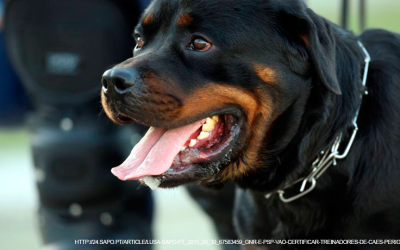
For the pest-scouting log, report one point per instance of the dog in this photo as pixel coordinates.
(268, 95)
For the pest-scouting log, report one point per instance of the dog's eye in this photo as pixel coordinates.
(200, 45)
(139, 43)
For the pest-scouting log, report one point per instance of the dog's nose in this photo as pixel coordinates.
(120, 80)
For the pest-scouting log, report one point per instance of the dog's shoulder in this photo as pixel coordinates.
(382, 44)
(384, 76)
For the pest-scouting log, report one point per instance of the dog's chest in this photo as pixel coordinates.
(252, 219)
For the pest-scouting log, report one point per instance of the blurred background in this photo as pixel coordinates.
(177, 216)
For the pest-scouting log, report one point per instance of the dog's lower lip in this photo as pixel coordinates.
(155, 156)
(212, 157)
(209, 148)
(124, 119)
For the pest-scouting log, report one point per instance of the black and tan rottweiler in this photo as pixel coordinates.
(251, 92)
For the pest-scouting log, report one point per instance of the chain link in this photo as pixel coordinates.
(329, 158)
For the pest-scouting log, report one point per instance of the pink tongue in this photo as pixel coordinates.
(155, 153)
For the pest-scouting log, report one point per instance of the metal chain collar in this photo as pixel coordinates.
(329, 158)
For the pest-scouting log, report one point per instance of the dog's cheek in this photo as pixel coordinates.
(265, 73)
(255, 131)
(265, 112)
(213, 97)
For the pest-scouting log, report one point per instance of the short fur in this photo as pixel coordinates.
(306, 95)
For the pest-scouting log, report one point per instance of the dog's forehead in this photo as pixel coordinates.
(159, 9)
(171, 7)
(209, 17)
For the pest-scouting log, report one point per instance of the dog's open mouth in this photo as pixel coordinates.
(178, 151)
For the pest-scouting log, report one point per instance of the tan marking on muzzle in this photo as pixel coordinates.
(258, 129)
(106, 108)
(214, 96)
(257, 107)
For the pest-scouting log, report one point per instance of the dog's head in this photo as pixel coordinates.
(221, 83)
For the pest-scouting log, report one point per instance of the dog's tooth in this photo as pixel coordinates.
(203, 135)
(215, 118)
(183, 148)
(192, 142)
(210, 121)
(151, 182)
(207, 128)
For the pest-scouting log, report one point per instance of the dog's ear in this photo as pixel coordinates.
(317, 35)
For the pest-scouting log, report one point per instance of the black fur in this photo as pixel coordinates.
(358, 199)
(320, 68)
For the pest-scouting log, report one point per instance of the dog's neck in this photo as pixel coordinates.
(325, 116)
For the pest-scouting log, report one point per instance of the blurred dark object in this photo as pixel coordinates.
(345, 14)
(13, 101)
(60, 49)
(363, 15)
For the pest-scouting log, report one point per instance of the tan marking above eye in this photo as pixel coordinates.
(185, 20)
(267, 74)
(148, 19)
